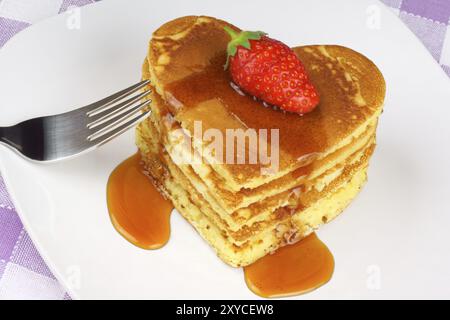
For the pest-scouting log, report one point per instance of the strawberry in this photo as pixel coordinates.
(270, 70)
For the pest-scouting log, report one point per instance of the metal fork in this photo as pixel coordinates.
(72, 133)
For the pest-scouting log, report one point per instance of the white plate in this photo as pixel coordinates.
(392, 242)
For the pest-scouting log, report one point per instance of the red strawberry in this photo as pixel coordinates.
(269, 70)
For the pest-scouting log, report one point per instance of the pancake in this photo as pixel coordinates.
(246, 210)
(289, 228)
(186, 56)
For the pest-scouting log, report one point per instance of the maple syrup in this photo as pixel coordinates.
(316, 132)
(291, 270)
(137, 210)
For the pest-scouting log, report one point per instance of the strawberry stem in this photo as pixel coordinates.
(240, 39)
(233, 34)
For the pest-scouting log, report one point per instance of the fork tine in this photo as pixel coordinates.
(121, 129)
(106, 103)
(116, 110)
(117, 121)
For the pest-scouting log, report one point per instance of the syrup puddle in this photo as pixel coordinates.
(142, 216)
(137, 210)
(292, 270)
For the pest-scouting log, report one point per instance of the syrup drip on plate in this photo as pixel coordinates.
(137, 209)
(292, 270)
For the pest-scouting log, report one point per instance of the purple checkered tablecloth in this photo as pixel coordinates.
(23, 273)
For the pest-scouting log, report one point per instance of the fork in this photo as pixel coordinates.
(62, 136)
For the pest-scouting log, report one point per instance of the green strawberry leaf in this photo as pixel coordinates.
(240, 39)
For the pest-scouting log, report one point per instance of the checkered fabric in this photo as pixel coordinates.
(23, 273)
